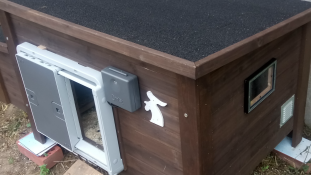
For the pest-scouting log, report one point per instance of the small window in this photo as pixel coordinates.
(260, 85)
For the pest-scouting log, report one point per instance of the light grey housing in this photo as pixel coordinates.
(121, 88)
(41, 83)
(46, 77)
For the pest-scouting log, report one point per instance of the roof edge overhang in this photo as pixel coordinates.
(135, 51)
(193, 70)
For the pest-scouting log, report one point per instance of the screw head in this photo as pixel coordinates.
(186, 115)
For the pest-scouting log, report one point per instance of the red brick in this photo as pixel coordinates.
(54, 154)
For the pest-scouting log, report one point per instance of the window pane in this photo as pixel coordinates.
(261, 85)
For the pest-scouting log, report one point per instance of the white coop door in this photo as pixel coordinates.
(68, 104)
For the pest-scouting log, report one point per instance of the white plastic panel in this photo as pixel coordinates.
(110, 158)
(96, 153)
(45, 92)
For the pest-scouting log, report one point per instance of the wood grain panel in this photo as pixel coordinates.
(140, 167)
(189, 125)
(287, 78)
(237, 137)
(3, 47)
(302, 89)
(145, 156)
(81, 168)
(206, 131)
(165, 136)
(93, 56)
(4, 96)
(240, 69)
(260, 153)
(10, 81)
(262, 144)
(141, 138)
(163, 151)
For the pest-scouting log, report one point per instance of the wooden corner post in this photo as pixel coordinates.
(11, 44)
(189, 125)
(302, 86)
(195, 125)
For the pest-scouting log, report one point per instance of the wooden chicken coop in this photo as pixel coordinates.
(208, 87)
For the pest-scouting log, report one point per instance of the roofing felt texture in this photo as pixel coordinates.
(190, 29)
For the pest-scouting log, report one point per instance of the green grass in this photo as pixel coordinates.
(28, 125)
(44, 170)
(11, 160)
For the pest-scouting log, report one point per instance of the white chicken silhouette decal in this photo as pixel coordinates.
(157, 117)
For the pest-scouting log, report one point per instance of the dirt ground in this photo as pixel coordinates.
(89, 123)
(14, 125)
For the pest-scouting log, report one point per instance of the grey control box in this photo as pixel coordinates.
(121, 88)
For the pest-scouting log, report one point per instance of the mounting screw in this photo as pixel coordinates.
(186, 115)
(7, 38)
(26, 104)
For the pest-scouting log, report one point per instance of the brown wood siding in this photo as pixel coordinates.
(148, 148)
(4, 96)
(188, 117)
(10, 81)
(302, 84)
(240, 140)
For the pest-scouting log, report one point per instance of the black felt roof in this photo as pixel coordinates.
(190, 29)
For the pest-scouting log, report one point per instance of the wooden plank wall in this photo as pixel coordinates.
(148, 148)
(9, 81)
(302, 84)
(189, 114)
(4, 96)
(239, 140)
(8, 92)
